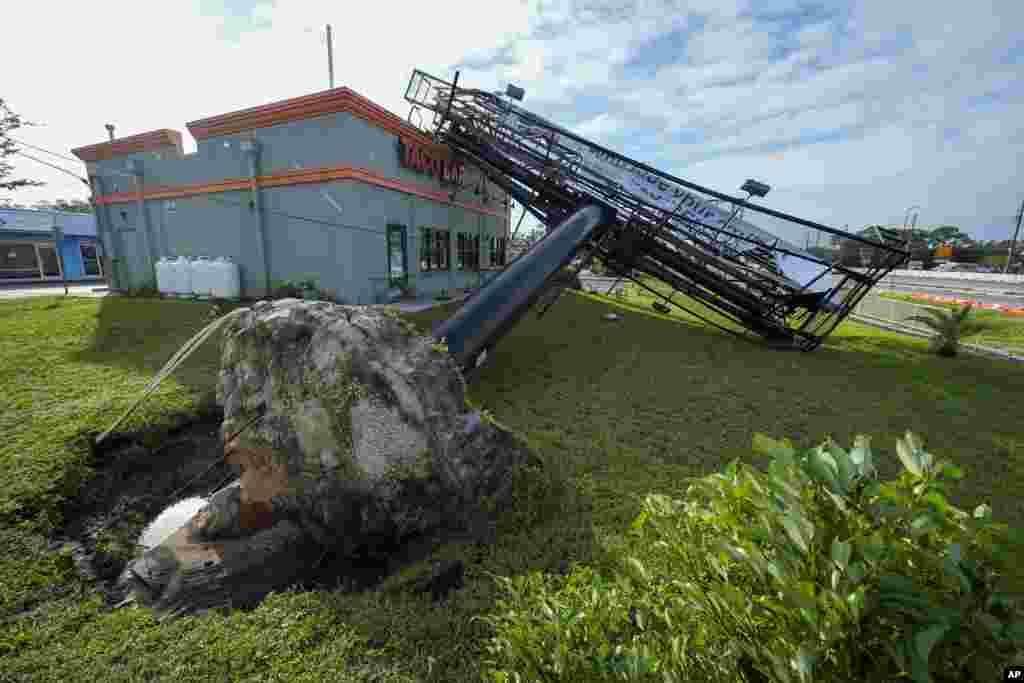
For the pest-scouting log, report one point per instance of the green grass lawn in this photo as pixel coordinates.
(620, 408)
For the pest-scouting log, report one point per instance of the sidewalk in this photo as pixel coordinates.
(18, 291)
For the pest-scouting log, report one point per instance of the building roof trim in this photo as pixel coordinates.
(143, 142)
(305, 107)
(298, 177)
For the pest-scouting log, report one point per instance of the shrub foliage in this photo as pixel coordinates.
(949, 327)
(812, 570)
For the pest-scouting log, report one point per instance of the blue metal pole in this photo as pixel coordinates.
(496, 307)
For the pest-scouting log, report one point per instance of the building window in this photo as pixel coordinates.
(29, 261)
(396, 255)
(498, 251)
(50, 261)
(443, 248)
(468, 252)
(434, 249)
(90, 260)
(18, 261)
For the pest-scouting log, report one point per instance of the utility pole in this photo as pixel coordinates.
(909, 232)
(1013, 242)
(330, 56)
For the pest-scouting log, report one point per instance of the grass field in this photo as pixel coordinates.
(621, 408)
(1003, 331)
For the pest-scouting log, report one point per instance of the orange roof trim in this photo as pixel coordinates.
(305, 107)
(299, 177)
(143, 142)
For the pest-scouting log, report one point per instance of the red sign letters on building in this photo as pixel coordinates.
(419, 159)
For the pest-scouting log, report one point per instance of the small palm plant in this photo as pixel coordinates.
(949, 328)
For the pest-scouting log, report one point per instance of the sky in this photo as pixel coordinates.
(853, 112)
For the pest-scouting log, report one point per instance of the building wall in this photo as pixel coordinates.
(306, 233)
(70, 251)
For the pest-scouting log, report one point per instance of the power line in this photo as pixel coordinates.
(41, 149)
(47, 163)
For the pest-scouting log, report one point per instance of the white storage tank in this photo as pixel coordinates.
(164, 276)
(172, 275)
(224, 277)
(182, 270)
(202, 277)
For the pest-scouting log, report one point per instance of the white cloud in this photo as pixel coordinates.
(735, 40)
(902, 74)
(119, 62)
(599, 128)
(815, 35)
(792, 126)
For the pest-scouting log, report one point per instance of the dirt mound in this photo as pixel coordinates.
(134, 484)
(131, 486)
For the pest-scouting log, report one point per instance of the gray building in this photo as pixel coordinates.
(39, 246)
(328, 185)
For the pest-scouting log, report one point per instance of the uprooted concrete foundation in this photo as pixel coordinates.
(360, 438)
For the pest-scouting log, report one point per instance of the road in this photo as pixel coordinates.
(1015, 287)
(986, 297)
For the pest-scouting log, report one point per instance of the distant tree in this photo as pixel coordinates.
(870, 232)
(950, 234)
(824, 253)
(920, 235)
(9, 121)
(71, 205)
(932, 237)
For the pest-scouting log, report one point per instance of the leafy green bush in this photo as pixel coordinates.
(949, 327)
(813, 570)
(295, 288)
(286, 289)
